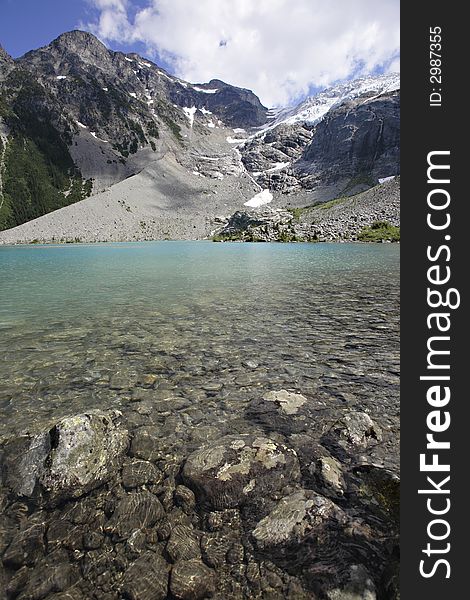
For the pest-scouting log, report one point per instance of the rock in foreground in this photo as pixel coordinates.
(77, 455)
(234, 469)
(303, 514)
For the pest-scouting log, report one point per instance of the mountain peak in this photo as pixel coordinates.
(4, 56)
(6, 63)
(79, 41)
(81, 44)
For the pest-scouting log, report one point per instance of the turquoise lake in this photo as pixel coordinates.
(188, 333)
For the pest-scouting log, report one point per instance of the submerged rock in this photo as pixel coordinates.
(145, 443)
(359, 586)
(331, 474)
(77, 455)
(285, 412)
(146, 578)
(378, 489)
(41, 583)
(215, 547)
(354, 432)
(239, 468)
(140, 472)
(28, 543)
(288, 402)
(356, 428)
(137, 510)
(303, 514)
(192, 580)
(23, 461)
(185, 498)
(183, 543)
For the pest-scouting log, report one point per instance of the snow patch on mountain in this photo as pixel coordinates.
(313, 109)
(385, 179)
(232, 140)
(198, 89)
(264, 197)
(190, 112)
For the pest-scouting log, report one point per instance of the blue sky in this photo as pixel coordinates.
(29, 24)
(281, 49)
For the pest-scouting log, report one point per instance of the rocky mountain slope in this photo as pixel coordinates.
(344, 219)
(99, 145)
(349, 133)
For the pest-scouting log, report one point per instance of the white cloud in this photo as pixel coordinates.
(394, 66)
(278, 48)
(112, 23)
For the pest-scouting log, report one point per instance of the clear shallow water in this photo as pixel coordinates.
(186, 334)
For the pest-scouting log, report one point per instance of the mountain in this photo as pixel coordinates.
(6, 62)
(313, 109)
(101, 145)
(349, 132)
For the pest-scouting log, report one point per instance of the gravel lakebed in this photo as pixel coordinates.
(235, 444)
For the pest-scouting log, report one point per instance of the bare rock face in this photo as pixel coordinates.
(192, 580)
(238, 468)
(77, 455)
(6, 63)
(358, 138)
(270, 156)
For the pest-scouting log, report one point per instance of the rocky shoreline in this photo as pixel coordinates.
(295, 504)
(339, 220)
(345, 219)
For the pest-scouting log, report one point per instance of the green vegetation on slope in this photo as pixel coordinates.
(38, 173)
(33, 185)
(378, 231)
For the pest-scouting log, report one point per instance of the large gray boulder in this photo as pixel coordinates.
(76, 455)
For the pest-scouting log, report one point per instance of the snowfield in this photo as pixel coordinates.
(313, 109)
(264, 197)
